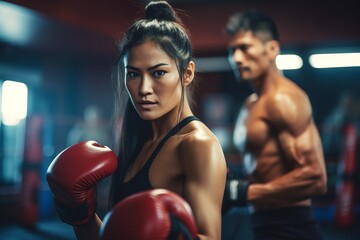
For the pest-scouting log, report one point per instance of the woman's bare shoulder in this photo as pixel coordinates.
(200, 140)
(198, 133)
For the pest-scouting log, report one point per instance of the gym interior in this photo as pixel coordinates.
(56, 62)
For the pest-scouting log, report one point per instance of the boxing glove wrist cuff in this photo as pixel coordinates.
(238, 191)
(75, 216)
(178, 228)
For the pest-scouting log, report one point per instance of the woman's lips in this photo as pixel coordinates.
(146, 104)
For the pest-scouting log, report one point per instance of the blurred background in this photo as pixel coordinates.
(56, 59)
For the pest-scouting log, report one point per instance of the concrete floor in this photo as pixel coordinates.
(47, 229)
(235, 227)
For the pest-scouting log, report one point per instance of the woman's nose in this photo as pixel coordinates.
(145, 87)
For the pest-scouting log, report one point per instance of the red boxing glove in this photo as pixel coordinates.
(153, 214)
(72, 177)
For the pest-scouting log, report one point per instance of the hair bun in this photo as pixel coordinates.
(160, 10)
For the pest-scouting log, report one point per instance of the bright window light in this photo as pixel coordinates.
(16, 23)
(335, 60)
(14, 102)
(289, 62)
(212, 64)
(215, 64)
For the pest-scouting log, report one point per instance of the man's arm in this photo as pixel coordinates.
(300, 144)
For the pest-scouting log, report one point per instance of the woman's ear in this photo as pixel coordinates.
(189, 73)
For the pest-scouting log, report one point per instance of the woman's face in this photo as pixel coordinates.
(152, 81)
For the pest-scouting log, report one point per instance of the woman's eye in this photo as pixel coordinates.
(158, 73)
(132, 74)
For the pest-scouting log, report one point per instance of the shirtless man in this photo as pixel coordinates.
(276, 135)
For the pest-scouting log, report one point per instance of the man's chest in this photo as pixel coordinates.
(253, 128)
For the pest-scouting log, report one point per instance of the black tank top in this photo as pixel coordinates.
(140, 182)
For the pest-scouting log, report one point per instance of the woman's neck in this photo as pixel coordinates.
(164, 124)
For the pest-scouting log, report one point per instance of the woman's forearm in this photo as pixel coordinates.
(90, 231)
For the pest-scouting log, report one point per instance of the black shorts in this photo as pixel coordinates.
(285, 224)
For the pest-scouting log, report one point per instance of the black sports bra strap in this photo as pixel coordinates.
(173, 131)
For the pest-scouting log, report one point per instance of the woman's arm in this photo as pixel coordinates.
(89, 231)
(205, 176)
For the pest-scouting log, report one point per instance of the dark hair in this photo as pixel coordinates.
(163, 27)
(257, 22)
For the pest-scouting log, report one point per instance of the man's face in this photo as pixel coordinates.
(249, 55)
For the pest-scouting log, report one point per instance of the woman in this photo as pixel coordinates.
(155, 71)
(162, 145)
